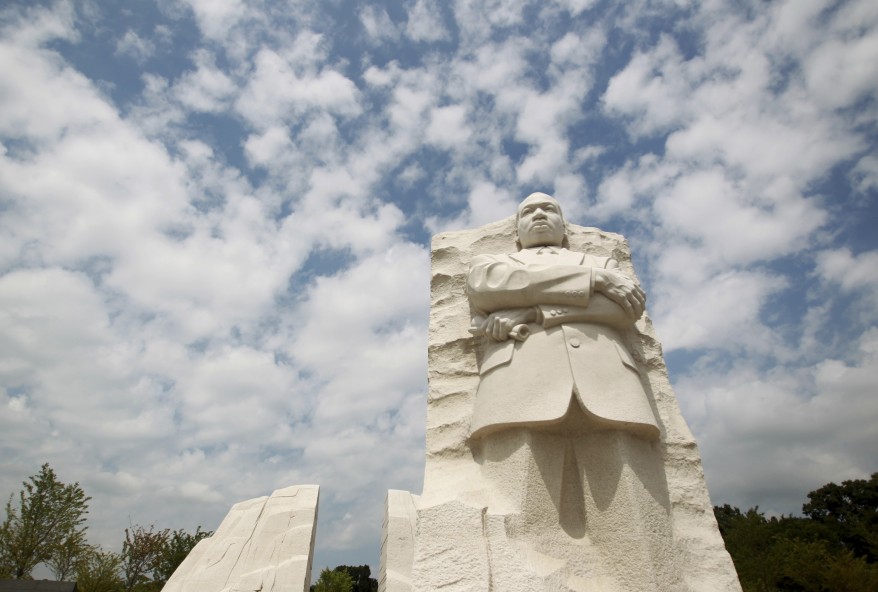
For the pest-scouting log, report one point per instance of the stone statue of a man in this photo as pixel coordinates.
(563, 427)
(552, 317)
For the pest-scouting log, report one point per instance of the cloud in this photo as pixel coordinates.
(207, 88)
(477, 20)
(733, 226)
(425, 22)
(713, 311)
(33, 79)
(781, 434)
(216, 18)
(839, 71)
(651, 90)
(447, 127)
(134, 46)
(282, 88)
(577, 6)
(377, 24)
(842, 268)
(865, 174)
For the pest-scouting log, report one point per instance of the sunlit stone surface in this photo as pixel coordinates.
(566, 465)
(264, 544)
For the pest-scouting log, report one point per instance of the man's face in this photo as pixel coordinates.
(539, 222)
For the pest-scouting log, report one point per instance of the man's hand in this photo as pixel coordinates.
(621, 290)
(498, 324)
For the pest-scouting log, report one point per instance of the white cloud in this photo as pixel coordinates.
(477, 19)
(267, 147)
(425, 22)
(31, 26)
(282, 88)
(719, 311)
(576, 50)
(377, 24)
(216, 17)
(620, 191)
(651, 90)
(841, 70)
(542, 122)
(496, 68)
(448, 127)
(576, 6)
(775, 436)
(853, 275)
(865, 173)
(488, 203)
(134, 46)
(732, 226)
(32, 81)
(207, 88)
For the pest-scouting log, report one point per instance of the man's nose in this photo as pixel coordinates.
(539, 212)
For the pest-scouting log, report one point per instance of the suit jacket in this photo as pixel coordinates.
(575, 351)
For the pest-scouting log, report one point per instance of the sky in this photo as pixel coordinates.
(215, 219)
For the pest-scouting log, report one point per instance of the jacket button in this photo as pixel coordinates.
(574, 342)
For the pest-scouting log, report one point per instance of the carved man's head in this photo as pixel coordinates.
(540, 222)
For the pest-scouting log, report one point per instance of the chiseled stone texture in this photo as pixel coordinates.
(480, 531)
(398, 541)
(264, 544)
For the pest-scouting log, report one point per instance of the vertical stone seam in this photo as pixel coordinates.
(487, 538)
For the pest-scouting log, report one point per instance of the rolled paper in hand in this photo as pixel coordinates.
(518, 332)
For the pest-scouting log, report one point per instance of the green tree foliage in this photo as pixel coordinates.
(100, 572)
(360, 577)
(850, 512)
(66, 559)
(334, 580)
(47, 526)
(831, 549)
(141, 556)
(48, 520)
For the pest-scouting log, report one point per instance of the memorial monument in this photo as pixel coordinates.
(557, 457)
(264, 544)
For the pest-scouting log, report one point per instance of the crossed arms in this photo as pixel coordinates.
(507, 294)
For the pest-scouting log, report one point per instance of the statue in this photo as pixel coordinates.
(559, 391)
(557, 457)
(574, 361)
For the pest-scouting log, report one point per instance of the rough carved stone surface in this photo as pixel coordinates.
(397, 541)
(573, 508)
(264, 544)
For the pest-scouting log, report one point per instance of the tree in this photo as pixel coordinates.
(141, 556)
(333, 581)
(49, 514)
(361, 577)
(66, 558)
(99, 572)
(832, 549)
(178, 546)
(850, 511)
